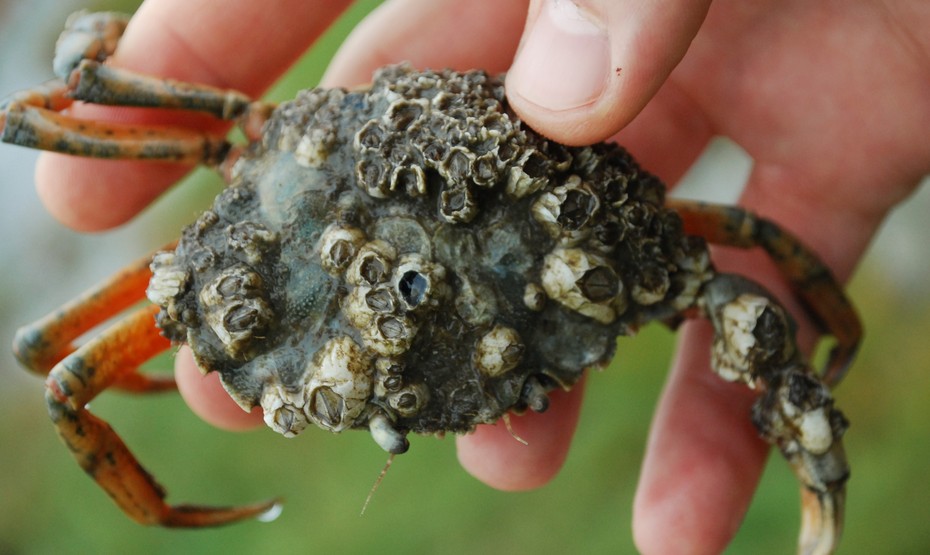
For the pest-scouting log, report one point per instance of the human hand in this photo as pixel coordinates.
(814, 93)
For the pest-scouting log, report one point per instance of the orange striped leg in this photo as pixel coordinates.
(41, 345)
(80, 377)
(812, 281)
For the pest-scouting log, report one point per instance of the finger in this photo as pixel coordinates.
(207, 398)
(585, 68)
(245, 46)
(668, 135)
(482, 34)
(497, 457)
(703, 459)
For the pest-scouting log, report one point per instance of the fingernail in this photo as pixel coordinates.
(564, 61)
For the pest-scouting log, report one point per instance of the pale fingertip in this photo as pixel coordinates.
(530, 453)
(206, 397)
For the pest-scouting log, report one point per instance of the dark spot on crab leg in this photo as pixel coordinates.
(41, 345)
(814, 283)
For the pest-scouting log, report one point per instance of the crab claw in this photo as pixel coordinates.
(195, 516)
(821, 521)
(799, 417)
(823, 498)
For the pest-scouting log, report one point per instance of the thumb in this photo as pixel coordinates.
(585, 68)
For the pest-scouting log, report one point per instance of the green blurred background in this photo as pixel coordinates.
(427, 503)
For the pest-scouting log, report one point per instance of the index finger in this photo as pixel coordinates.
(244, 45)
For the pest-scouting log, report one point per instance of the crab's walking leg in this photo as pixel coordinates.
(812, 281)
(41, 345)
(76, 380)
(754, 344)
(32, 118)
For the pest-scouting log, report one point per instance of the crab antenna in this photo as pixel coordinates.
(377, 483)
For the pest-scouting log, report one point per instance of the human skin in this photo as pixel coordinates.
(829, 99)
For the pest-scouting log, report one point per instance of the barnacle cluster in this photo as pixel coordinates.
(413, 258)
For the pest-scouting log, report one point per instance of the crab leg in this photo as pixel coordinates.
(76, 380)
(41, 345)
(34, 127)
(754, 344)
(32, 119)
(812, 281)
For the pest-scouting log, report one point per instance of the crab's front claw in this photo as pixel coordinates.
(797, 414)
(821, 521)
(755, 344)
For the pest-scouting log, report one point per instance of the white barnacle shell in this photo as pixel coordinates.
(585, 283)
(457, 204)
(390, 334)
(815, 433)
(403, 112)
(339, 384)
(524, 179)
(167, 283)
(313, 148)
(564, 211)
(235, 309)
(695, 271)
(652, 286)
(418, 281)
(283, 409)
(534, 297)
(456, 167)
(338, 247)
(372, 264)
(288, 138)
(808, 423)
(731, 350)
(409, 178)
(251, 238)
(356, 309)
(498, 351)
(409, 400)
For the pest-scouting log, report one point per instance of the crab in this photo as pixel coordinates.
(408, 258)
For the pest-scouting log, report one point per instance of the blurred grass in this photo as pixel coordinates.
(426, 502)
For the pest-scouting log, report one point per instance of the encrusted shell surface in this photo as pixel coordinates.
(413, 258)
